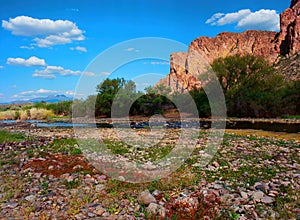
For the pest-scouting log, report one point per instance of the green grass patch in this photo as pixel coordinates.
(69, 146)
(7, 137)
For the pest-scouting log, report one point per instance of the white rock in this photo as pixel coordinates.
(30, 198)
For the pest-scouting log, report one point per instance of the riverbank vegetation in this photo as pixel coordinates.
(251, 86)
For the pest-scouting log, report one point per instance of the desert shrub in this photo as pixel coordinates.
(7, 115)
(40, 114)
(24, 115)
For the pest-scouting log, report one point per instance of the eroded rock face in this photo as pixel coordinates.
(269, 45)
(288, 39)
(178, 79)
(258, 43)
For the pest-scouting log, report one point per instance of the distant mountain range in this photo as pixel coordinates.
(49, 99)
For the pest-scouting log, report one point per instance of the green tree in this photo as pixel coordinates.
(117, 91)
(251, 86)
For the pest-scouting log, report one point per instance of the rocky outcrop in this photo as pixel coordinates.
(178, 79)
(258, 43)
(287, 41)
(289, 67)
(270, 45)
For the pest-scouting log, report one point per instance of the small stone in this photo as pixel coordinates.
(156, 210)
(244, 195)
(100, 212)
(12, 205)
(258, 195)
(30, 198)
(102, 177)
(216, 164)
(218, 186)
(267, 200)
(100, 187)
(51, 167)
(105, 214)
(80, 216)
(146, 198)
(91, 215)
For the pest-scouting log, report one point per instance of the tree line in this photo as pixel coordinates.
(251, 86)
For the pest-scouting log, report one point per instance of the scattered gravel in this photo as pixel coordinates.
(250, 178)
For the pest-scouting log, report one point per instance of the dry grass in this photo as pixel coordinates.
(34, 113)
(7, 115)
(24, 115)
(40, 113)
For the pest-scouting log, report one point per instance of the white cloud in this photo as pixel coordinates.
(39, 91)
(82, 49)
(46, 32)
(159, 63)
(73, 9)
(1, 96)
(31, 61)
(88, 73)
(131, 49)
(264, 19)
(27, 47)
(50, 71)
(213, 19)
(1, 67)
(104, 74)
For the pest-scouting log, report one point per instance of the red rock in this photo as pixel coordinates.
(288, 39)
(266, 44)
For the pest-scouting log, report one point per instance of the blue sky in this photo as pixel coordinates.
(46, 46)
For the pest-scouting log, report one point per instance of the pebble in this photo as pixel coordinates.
(100, 187)
(257, 195)
(218, 186)
(12, 205)
(52, 196)
(156, 210)
(145, 198)
(100, 211)
(267, 199)
(244, 195)
(30, 198)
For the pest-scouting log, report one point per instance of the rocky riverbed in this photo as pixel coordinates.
(43, 175)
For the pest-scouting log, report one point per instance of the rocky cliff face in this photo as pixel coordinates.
(179, 79)
(258, 43)
(287, 41)
(269, 45)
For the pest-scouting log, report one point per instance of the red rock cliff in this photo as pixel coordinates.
(269, 45)
(288, 39)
